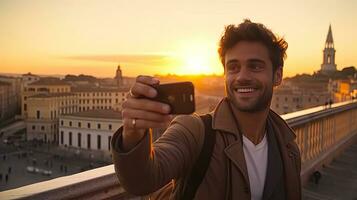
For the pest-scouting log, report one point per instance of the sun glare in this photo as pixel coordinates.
(195, 58)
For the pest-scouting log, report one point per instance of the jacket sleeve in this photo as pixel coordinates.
(149, 166)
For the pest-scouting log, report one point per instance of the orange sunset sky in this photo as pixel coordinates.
(162, 36)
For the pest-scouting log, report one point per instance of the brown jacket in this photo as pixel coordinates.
(148, 167)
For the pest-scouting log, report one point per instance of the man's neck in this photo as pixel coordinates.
(252, 124)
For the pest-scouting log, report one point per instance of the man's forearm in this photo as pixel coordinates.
(131, 138)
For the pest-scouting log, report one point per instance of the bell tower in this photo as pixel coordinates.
(328, 63)
(119, 77)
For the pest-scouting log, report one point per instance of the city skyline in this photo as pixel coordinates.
(52, 37)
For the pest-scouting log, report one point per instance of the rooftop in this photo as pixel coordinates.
(104, 114)
(29, 74)
(50, 95)
(49, 81)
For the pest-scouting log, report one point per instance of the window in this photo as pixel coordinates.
(25, 107)
(42, 128)
(38, 114)
(79, 139)
(70, 123)
(79, 124)
(98, 142)
(61, 137)
(88, 125)
(98, 126)
(286, 99)
(88, 141)
(116, 100)
(33, 127)
(110, 127)
(109, 140)
(70, 138)
(277, 105)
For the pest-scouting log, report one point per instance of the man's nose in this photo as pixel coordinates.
(244, 74)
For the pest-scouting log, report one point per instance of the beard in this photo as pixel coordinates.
(255, 104)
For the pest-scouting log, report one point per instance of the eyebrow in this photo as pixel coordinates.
(232, 61)
(256, 60)
(249, 60)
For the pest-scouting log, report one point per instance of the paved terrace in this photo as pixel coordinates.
(326, 136)
(338, 179)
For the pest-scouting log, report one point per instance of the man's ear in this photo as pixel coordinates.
(278, 76)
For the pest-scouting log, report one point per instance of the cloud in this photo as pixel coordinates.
(138, 59)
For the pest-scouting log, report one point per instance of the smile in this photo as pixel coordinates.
(245, 90)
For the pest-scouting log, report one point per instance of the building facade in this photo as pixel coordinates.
(100, 98)
(5, 99)
(288, 99)
(343, 90)
(89, 132)
(43, 101)
(14, 94)
(43, 111)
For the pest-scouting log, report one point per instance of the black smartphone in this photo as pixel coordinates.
(180, 96)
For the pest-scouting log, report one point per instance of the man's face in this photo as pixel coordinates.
(249, 77)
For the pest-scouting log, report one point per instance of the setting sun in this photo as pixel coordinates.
(196, 57)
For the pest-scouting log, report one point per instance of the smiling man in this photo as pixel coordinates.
(253, 155)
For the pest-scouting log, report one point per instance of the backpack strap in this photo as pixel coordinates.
(200, 167)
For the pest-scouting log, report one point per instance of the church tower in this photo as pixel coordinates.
(328, 64)
(118, 77)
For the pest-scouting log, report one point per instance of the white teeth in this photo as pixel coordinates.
(245, 90)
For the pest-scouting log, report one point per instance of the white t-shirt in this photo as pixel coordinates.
(256, 157)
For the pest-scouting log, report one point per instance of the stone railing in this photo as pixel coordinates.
(321, 132)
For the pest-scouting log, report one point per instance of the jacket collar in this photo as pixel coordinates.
(223, 120)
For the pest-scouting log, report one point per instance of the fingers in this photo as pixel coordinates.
(148, 80)
(140, 89)
(143, 87)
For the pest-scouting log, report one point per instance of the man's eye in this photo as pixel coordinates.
(256, 66)
(232, 67)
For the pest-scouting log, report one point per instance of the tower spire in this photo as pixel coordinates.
(329, 38)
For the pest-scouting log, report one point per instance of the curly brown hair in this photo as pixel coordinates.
(255, 32)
